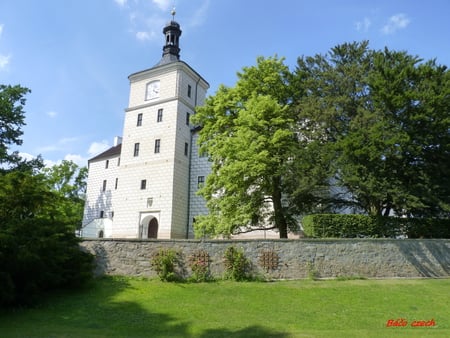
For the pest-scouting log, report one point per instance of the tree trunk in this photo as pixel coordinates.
(280, 218)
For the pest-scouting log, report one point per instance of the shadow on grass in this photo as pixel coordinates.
(131, 320)
(249, 332)
(101, 311)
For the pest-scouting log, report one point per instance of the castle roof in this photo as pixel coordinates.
(113, 151)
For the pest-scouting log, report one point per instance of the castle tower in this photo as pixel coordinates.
(149, 195)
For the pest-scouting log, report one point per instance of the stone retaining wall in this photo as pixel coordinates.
(286, 259)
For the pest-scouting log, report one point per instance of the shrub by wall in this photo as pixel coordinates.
(357, 226)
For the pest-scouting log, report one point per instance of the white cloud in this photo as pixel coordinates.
(78, 159)
(4, 61)
(364, 25)
(163, 4)
(26, 156)
(97, 147)
(396, 22)
(51, 114)
(121, 3)
(29, 157)
(143, 36)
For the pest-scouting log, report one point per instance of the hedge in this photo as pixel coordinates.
(352, 226)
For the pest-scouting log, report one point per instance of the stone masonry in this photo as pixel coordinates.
(286, 259)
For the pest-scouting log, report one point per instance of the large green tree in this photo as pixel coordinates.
(12, 119)
(38, 247)
(250, 133)
(385, 117)
(68, 181)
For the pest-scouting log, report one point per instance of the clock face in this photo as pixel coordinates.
(153, 90)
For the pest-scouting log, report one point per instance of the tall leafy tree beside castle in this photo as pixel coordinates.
(12, 119)
(250, 133)
(38, 247)
(385, 116)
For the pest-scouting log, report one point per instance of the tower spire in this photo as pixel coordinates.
(171, 49)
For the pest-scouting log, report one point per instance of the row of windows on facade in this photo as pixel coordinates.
(159, 118)
(158, 148)
(200, 183)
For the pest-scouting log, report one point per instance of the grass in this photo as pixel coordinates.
(131, 307)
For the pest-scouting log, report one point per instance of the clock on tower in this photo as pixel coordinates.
(152, 90)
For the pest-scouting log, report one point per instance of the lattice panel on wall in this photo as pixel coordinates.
(200, 256)
(269, 260)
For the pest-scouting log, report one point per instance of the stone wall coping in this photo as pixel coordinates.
(271, 240)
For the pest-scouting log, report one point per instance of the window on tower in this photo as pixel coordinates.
(106, 164)
(139, 120)
(188, 118)
(189, 92)
(143, 184)
(157, 145)
(200, 181)
(104, 185)
(116, 184)
(136, 150)
(159, 117)
(186, 149)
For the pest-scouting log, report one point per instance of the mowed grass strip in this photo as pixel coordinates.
(132, 307)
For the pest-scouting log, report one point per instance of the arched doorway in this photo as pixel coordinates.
(152, 231)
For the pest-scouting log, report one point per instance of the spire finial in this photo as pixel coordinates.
(173, 12)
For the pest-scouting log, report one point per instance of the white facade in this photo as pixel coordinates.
(142, 188)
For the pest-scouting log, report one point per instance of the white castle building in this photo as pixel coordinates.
(145, 185)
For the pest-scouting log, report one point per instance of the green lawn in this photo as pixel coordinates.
(125, 307)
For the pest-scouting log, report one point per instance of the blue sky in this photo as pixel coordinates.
(76, 55)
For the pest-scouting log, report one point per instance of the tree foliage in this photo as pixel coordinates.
(249, 132)
(356, 127)
(12, 119)
(68, 181)
(38, 248)
(385, 115)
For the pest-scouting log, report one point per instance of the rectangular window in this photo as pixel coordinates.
(102, 214)
(139, 120)
(143, 184)
(157, 145)
(200, 181)
(136, 149)
(118, 162)
(104, 185)
(116, 184)
(189, 92)
(186, 149)
(106, 164)
(159, 116)
(188, 117)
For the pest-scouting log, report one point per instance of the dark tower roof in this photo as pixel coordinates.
(171, 50)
